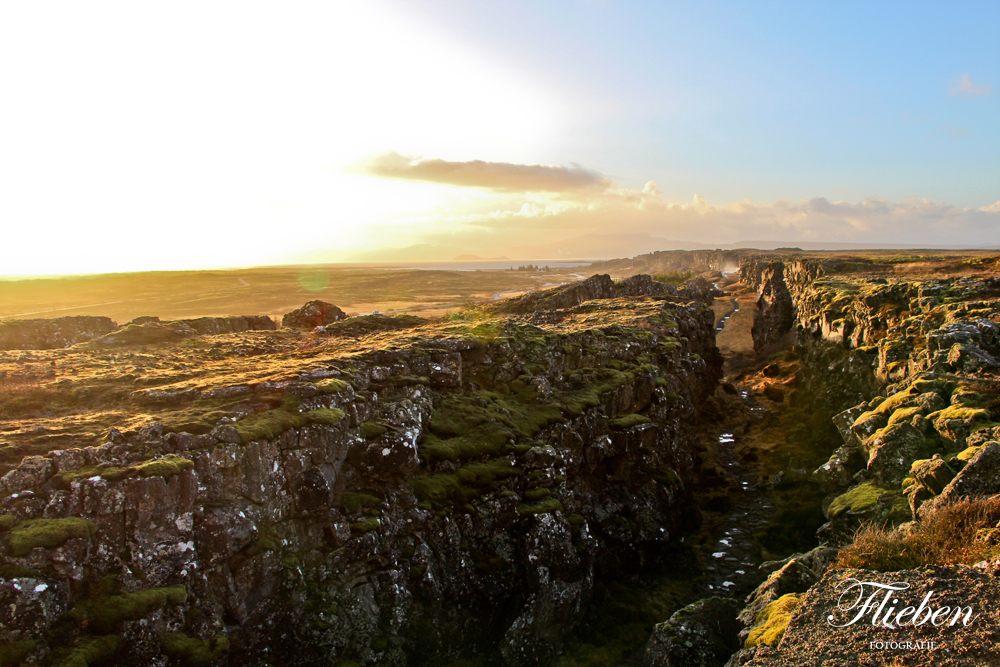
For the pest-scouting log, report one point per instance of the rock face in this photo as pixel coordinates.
(775, 309)
(51, 334)
(313, 314)
(150, 330)
(403, 506)
(962, 633)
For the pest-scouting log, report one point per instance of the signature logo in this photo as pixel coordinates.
(881, 601)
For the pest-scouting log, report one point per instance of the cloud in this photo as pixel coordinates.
(964, 87)
(954, 131)
(515, 221)
(496, 176)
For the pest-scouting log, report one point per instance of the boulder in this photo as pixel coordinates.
(893, 450)
(979, 477)
(313, 314)
(702, 634)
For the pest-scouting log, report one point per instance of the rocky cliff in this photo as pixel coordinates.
(422, 493)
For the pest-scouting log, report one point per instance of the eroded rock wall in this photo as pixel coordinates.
(384, 533)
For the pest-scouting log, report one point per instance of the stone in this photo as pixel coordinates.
(313, 314)
(702, 634)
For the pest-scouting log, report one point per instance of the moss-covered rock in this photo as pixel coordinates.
(47, 533)
(105, 613)
(193, 652)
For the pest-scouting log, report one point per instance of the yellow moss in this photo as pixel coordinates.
(857, 499)
(904, 415)
(772, 621)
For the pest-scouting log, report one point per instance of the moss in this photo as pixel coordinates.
(47, 533)
(857, 499)
(104, 613)
(546, 506)
(91, 651)
(7, 522)
(418, 570)
(537, 494)
(194, 652)
(290, 561)
(960, 412)
(331, 386)
(14, 653)
(966, 454)
(167, 466)
(355, 502)
(628, 421)
(772, 621)
(904, 415)
(11, 571)
(366, 525)
(272, 423)
(371, 430)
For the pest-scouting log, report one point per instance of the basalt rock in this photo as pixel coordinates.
(398, 506)
(51, 334)
(775, 309)
(702, 634)
(313, 314)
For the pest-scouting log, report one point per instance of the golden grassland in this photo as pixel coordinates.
(261, 291)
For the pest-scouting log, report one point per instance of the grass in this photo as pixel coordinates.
(47, 533)
(193, 652)
(772, 621)
(959, 533)
(105, 613)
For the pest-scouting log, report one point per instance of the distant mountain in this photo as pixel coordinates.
(601, 246)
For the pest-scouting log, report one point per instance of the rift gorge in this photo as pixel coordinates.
(685, 466)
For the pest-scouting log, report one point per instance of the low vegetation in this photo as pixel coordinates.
(963, 532)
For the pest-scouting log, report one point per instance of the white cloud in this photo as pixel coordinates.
(964, 87)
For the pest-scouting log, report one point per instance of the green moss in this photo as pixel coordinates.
(355, 502)
(537, 494)
(104, 613)
(546, 506)
(772, 621)
(857, 499)
(91, 651)
(14, 653)
(7, 522)
(628, 421)
(366, 525)
(272, 423)
(331, 386)
(193, 652)
(47, 533)
(371, 430)
(164, 467)
(11, 571)
(418, 570)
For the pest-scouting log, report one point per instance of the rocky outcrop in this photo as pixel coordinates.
(702, 634)
(601, 286)
(151, 331)
(314, 314)
(52, 334)
(775, 309)
(401, 506)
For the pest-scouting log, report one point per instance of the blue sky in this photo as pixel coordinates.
(201, 134)
(760, 100)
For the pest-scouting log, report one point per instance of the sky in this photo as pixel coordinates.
(140, 136)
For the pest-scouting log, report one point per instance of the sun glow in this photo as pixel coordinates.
(143, 139)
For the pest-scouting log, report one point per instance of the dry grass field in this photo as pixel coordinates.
(262, 291)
